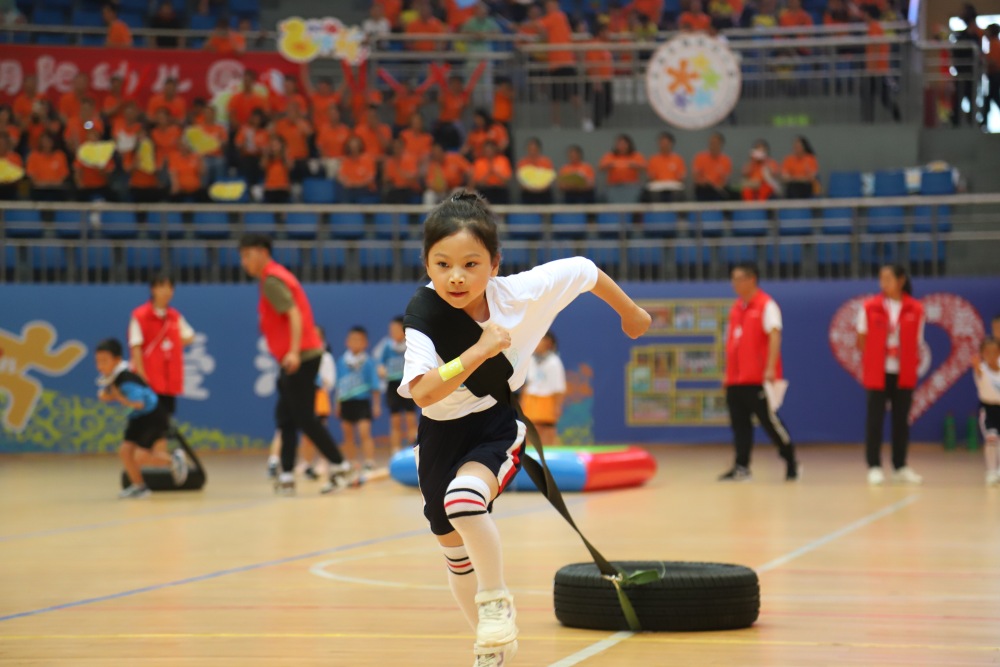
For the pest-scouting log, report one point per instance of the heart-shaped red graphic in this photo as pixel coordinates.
(952, 313)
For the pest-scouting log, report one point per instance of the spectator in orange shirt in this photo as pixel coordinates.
(186, 172)
(600, 65)
(576, 178)
(562, 64)
(9, 191)
(695, 19)
(119, 36)
(322, 97)
(125, 129)
(401, 175)
(391, 9)
(69, 102)
(456, 15)
(484, 130)
(425, 24)
(357, 173)
(416, 139)
(250, 142)
(445, 173)
(114, 101)
(711, 170)
(92, 182)
(452, 102)
(144, 186)
(78, 129)
(651, 9)
(43, 119)
(214, 161)
(799, 170)
(760, 174)
(330, 141)
(725, 13)
(25, 102)
(793, 16)
(876, 81)
(47, 170)
(623, 170)
(992, 70)
(8, 128)
(665, 167)
(407, 100)
(534, 158)
(374, 134)
(276, 165)
(503, 102)
(296, 132)
(169, 99)
(243, 103)
(225, 41)
(290, 95)
(491, 175)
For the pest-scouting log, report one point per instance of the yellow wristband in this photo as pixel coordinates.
(453, 368)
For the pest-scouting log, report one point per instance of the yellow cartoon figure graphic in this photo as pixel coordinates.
(32, 350)
(295, 42)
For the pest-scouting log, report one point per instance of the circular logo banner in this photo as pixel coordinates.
(693, 81)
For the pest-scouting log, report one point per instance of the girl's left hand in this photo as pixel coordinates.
(636, 322)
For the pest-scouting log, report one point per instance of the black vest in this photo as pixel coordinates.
(453, 332)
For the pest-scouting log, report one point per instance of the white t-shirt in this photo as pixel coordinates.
(525, 304)
(894, 307)
(988, 384)
(327, 372)
(135, 331)
(546, 376)
(772, 317)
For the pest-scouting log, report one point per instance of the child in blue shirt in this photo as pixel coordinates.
(389, 353)
(358, 395)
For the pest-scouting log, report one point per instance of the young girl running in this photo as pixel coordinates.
(469, 336)
(987, 375)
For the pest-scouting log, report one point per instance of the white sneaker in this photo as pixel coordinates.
(906, 475)
(340, 478)
(134, 491)
(179, 467)
(494, 656)
(876, 477)
(496, 619)
(993, 478)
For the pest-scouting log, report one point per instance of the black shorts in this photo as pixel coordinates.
(168, 404)
(989, 420)
(355, 410)
(146, 429)
(395, 402)
(493, 438)
(563, 83)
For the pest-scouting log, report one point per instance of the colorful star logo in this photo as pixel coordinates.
(682, 77)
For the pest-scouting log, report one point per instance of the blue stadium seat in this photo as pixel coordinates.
(203, 22)
(937, 183)
(559, 251)
(174, 222)
(287, 257)
(302, 225)
(318, 191)
(886, 220)
(374, 258)
(97, 258)
(514, 260)
(795, 221)
(386, 224)
(890, 184)
(578, 220)
(195, 257)
(142, 6)
(924, 220)
(84, 18)
(245, 8)
(844, 184)
(691, 255)
(833, 254)
(646, 258)
(734, 254)
(46, 16)
(524, 226)
(118, 225)
(838, 220)
(412, 258)
(261, 218)
(750, 222)
(609, 224)
(211, 225)
(10, 254)
(23, 224)
(69, 224)
(347, 225)
(143, 258)
(604, 256)
(787, 254)
(329, 258)
(47, 258)
(711, 222)
(93, 39)
(659, 224)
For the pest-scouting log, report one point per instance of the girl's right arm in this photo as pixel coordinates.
(432, 387)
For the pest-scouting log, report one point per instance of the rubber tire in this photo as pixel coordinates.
(689, 597)
(161, 480)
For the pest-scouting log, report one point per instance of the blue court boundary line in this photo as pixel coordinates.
(243, 568)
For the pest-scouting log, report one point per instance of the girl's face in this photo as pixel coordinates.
(460, 268)
(798, 148)
(890, 285)
(533, 150)
(621, 147)
(991, 354)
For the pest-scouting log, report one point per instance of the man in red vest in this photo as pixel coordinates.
(157, 336)
(753, 358)
(286, 321)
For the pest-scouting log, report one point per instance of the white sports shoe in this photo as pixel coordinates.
(993, 478)
(134, 491)
(906, 475)
(496, 619)
(179, 467)
(876, 477)
(495, 656)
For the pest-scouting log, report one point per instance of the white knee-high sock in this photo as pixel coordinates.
(990, 451)
(465, 504)
(462, 581)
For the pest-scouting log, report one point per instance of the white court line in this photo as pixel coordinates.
(619, 637)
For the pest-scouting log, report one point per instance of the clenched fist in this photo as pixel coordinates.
(494, 340)
(636, 322)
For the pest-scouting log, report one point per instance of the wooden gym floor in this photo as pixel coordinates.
(232, 575)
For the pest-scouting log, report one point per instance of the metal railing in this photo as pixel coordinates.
(108, 243)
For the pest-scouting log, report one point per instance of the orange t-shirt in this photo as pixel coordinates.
(666, 167)
(296, 137)
(503, 107)
(165, 140)
(403, 172)
(360, 103)
(185, 171)
(454, 170)
(176, 108)
(375, 139)
(47, 169)
(358, 172)
(241, 105)
(877, 55)
(757, 169)
(583, 170)
(622, 169)
(392, 9)
(224, 46)
(119, 35)
(280, 103)
(217, 131)
(451, 105)
(558, 31)
(653, 9)
(793, 19)
(417, 143)
(112, 106)
(331, 139)
(714, 170)
(76, 133)
(23, 106)
(251, 141)
(541, 162)
(492, 172)
(600, 63)
(91, 177)
(138, 178)
(993, 57)
(120, 128)
(799, 168)
(406, 105)
(14, 133)
(69, 105)
(420, 27)
(695, 22)
(321, 107)
(496, 133)
(456, 15)
(276, 175)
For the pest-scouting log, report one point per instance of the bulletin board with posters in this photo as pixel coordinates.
(678, 382)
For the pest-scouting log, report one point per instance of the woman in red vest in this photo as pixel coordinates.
(157, 336)
(890, 332)
(753, 358)
(286, 320)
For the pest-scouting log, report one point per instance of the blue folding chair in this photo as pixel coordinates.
(349, 226)
(143, 259)
(562, 220)
(318, 191)
(118, 225)
(844, 185)
(609, 224)
(937, 183)
(750, 222)
(263, 219)
(524, 225)
(302, 225)
(85, 18)
(890, 184)
(211, 225)
(387, 224)
(195, 257)
(711, 223)
(47, 259)
(328, 259)
(795, 221)
(94, 258)
(23, 224)
(608, 258)
(47, 16)
(659, 224)
(245, 8)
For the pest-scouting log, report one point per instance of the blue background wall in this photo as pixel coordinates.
(825, 403)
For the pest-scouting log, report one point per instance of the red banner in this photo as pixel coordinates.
(198, 73)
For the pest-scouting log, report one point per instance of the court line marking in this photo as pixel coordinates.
(251, 567)
(618, 637)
